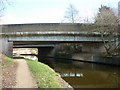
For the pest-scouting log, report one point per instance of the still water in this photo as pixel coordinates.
(86, 75)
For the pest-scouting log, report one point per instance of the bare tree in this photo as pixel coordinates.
(72, 15)
(2, 6)
(107, 26)
(106, 16)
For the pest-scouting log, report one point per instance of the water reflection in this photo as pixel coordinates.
(72, 75)
(85, 75)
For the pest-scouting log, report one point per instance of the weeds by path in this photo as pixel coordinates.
(8, 72)
(45, 76)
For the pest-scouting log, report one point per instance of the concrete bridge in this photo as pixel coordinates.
(54, 36)
(47, 36)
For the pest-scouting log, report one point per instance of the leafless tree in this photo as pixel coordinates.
(72, 15)
(107, 26)
(2, 6)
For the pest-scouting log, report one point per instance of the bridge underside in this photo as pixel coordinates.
(49, 48)
(85, 46)
(36, 44)
(32, 44)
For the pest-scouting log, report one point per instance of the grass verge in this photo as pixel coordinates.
(8, 72)
(44, 75)
(6, 61)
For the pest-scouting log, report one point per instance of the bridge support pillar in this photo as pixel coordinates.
(6, 47)
(45, 52)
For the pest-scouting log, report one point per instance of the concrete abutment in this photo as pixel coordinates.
(6, 47)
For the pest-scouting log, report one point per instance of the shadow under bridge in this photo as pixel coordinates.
(45, 49)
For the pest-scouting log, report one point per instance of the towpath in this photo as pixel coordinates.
(24, 77)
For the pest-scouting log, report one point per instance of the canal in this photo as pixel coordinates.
(85, 75)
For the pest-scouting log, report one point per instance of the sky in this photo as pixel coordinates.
(50, 11)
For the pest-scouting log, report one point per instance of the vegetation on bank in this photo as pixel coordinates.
(106, 56)
(8, 68)
(6, 61)
(113, 54)
(44, 75)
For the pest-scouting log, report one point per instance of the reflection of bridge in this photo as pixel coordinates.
(46, 36)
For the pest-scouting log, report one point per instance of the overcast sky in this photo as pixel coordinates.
(50, 11)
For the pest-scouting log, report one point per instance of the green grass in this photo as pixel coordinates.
(107, 56)
(7, 62)
(44, 75)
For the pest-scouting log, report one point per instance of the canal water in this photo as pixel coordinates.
(86, 75)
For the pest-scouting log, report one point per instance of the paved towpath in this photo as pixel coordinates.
(24, 77)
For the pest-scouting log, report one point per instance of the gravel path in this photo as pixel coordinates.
(24, 77)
